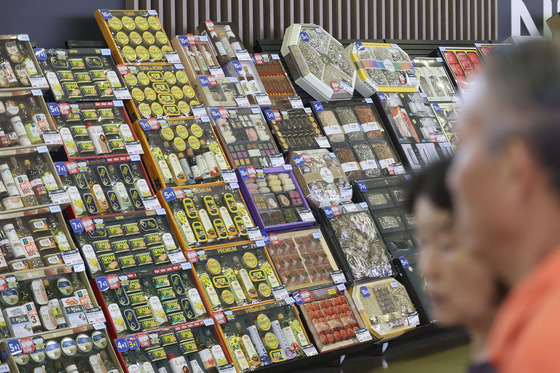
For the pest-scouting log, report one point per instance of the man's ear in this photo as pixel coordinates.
(520, 170)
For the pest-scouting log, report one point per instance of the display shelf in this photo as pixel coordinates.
(235, 276)
(434, 80)
(332, 318)
(204, 72)
(245, 136)
(104, 186)
(181, 151)
(385, 307)
(275, 199)
(26, 121)
(83, 74)
(356, 242)
(94, 129)
(121, 243)
(247, 74)
(158, 91)
(134, 36)
(358, 138)
(321, 178)
(214, 215)
(485, 50)
(225, 39)
(302, 258)
(274, 78)
(265, 335)
(20, 69)
(318, 62)
(463, 63)
(295, 129)
(382, 67)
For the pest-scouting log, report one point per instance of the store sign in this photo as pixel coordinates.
(525, 17)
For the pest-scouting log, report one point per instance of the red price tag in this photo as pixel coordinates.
(64, 108)
(179, 194)
(27, 345)
(252, 172)
(335, 86)
(390, 169)
(277, 115)
(212, 80)
(220, 318)
(274, 238)
(258, 59)
(143, 339)
(306, 158)
(192, 256)
(88, 225)
(113, 281)
(3, 285)
(210, 25)
(123, 69)
(305, 296)
(72, 168)
(191, 39)
(223, 113)
(336, 211)
(154, 124)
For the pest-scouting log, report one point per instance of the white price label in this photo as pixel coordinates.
(161, 211)
(280, 293)
(38, 81)
(216, 71)
(99, 326)
(263, 99)
(199, 111)
(134, 157)
(351, 127)
(350, 208)
(254, 233)
(172, 57)
(229, 176)
(151, 203)
(79, 268)
(346, 193)
(370, 126)
(363, 335)
(368, 164)
(276, 160)
(71, 257)
(228, 368)
(288, 167)
(413, 319)
(243, 55)
(309, 350)
(289, 300)
(95, 315)
(323, 142)
(332, 130)
(307, 110)
(242, 100)
(186, 265)
(254, 152)
(338, 277)
(52, 137)
(317, 235)
(122, 94)
(42, 149)
(296, 102)
(349, 166)
(341, 287)
(4, 368)
(134, 147)
(306, 215)
(176, 256)
(368, 100)
(60, 197)
(209, 321)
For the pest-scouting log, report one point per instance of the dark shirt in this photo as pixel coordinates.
(480, 368)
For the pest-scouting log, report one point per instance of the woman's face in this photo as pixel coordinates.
(461, 286)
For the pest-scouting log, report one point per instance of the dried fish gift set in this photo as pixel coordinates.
(134, 36)
(181, 151)
(463, 63)
(106, 186)
(382, 67)
(264, 335)
(358, 244)
(83, 74)
(385, 307)
(207, 215)
(302, 258)
(144, 301)
(204, 72)
(235, 276)
(19, 68)
(320, 177)
(244, 135)
(434, 80)
(246, 72)
(318, 62)
(275, 198)
(96, 128)
(127, 242)
(158, 91)
(332, 317)
(295, 129)
(274, 78)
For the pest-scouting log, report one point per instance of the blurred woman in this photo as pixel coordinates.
(462, 289)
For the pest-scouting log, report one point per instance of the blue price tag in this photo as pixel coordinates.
(368, 100)
(161, 211)
(42, 149)
(362, 186)
(436, 108)
(133, 343)
(360, 46)
(234, 185)
(298, 160)
(269, 114)
(183, 40)
(304, 36)
(328, 212)
(364, 205)
(237, 66)
(243, 173)
(122, 345)
(135, 157)
(382, 97)
(54, 209)
(318, 107)
(144, 125)
(260, 243)
(105, 13)
(60, 168)
(36, 92)
(40, 54)
(102, 283)
(203, 81)
(253, 59)
(365, 292)
(105, 52)
(297, 298)
(77, 225)
(215, 113)
(168, 194)
(288, 167)
(118, 103)
(53, 108)
(404, 262)
(80, 267)
(23, 37)
(14, 347)
(266, 238)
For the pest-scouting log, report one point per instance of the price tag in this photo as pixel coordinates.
(296, 102)
(229, 176)
(276, 160)
(23, 37)
(234, 185)
(151, 203)
(113, 281)
(413, 319)
(289, 300)
(79, 268)
(365, 292)
(318, 107)
(363, 205)
(133, 343)
(297, 298)
(350, 208)
(59, 196)
(394, 284)
(243, 55)
(186, 266)
(38, 81)
(161, 211)
(280, 293)
(368, 100)
(42, 149)
(363, 335)
(242, 100)
(176, 256)
(121, 93)
(307, 110)
(72, 257)
(134, 149)
(317, 235)
(172, 57)
(11, 282)
(95, 315)
(341, 287)
(338, 277)
(179, 66)
(52, 137)
(54, 209)
(362, 186)
(309, 350)
(305, 296)
(105, 52)
(323, 142)
(306, 215)
(40, 54)
(254, 233)
(346, 193)
(88, 225)
(209, 321)
(228, 368)
(199, 111)
(99, 326)
(4, 368)
(14, 347)
(216, 71)
(122, 345)
(351, 127)
(263, 99)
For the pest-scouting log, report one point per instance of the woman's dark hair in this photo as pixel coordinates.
(430, 183)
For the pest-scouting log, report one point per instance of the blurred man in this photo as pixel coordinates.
(505, 183)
